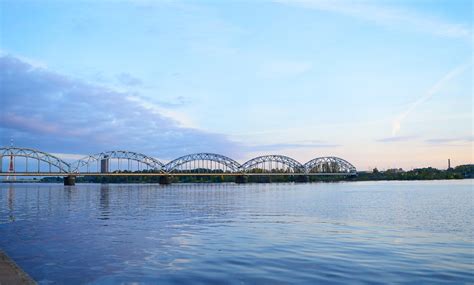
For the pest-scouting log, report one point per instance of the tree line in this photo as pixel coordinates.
(428, 173)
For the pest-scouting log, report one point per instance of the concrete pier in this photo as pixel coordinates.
(70, 180)
(10, 273)
(302, 178)
(241, 179)
(165, 180)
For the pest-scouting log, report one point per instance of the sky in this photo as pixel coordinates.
(379, 83)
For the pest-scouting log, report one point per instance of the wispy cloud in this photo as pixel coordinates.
(396, 139)
(127, 79)
(392, 17)
(162, 109)
(280, 146)
(397, 123)
(449, 141)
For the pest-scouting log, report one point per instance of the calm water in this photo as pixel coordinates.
(241, 234)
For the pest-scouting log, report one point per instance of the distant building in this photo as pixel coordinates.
(394, 170)
(104, 164)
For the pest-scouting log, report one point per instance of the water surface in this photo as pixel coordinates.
(241, 234)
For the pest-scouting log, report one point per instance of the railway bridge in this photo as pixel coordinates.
(16, 161)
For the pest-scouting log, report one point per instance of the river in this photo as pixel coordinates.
(381, 232)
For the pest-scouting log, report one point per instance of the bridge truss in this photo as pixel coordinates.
(121, 162)
(203, 162)
(272, 164)
(329, 164)
(124, 161)
(32, 160)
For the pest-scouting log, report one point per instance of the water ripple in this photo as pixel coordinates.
(241, 234)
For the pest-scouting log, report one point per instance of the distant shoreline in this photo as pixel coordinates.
(419, 174)
(229, 182)
(310, 182)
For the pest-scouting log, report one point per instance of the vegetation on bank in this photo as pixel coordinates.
(429, 173)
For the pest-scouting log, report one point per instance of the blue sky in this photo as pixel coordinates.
(379, 83)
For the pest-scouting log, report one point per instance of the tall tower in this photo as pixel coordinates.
(11, 165)
(449, 163)
(11, 168)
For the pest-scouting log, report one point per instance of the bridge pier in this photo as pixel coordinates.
(241, 179)
(302, 178)
(262, 179)
(70, 180)
(165, 180)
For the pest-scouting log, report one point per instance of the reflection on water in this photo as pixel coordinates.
(11, 196)
(253, 233)
(104, 202)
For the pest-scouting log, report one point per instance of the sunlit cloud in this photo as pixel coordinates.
(397, 123)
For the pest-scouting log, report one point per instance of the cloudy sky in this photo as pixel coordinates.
(380, 83)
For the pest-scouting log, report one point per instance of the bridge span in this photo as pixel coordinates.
(15, 161)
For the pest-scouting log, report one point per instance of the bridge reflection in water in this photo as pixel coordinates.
(32, 162)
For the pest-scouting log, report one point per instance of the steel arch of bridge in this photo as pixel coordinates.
(293, 164)
(329, 164)
(229, 163)
(30, 153)
(150, 162)
(320, 165)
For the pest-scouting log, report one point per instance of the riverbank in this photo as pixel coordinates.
(428, 173)
(11, 273)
